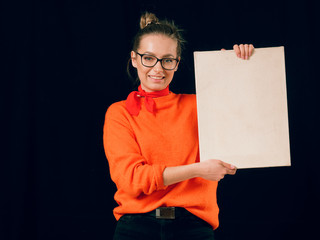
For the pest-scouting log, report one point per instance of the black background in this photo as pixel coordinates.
(63, 64)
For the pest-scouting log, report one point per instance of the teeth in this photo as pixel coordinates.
(156, 77)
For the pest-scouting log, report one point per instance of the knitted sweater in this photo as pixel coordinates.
(139, 148)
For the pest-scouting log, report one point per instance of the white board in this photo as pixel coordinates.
(242, 108)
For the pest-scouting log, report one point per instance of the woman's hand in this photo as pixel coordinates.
(243, 51)
(215, 170)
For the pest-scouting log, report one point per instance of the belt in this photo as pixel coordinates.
(169, 213)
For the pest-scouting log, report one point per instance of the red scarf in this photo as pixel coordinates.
(133, 103)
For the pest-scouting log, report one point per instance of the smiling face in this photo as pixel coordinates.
(155, 78)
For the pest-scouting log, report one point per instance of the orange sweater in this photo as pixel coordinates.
(139, 148)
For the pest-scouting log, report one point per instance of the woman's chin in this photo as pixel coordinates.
(154, 85)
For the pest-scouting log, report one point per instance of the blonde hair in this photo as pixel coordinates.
(148, 18)
(150, 24)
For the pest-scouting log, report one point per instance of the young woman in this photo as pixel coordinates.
(151, 143)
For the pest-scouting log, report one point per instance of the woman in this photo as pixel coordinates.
(151, 143)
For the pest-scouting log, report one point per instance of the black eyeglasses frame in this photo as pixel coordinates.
(158, 60)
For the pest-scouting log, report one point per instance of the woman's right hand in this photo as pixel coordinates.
(214, 170)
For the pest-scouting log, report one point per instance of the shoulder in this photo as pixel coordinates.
(116, 110)
(187, 99)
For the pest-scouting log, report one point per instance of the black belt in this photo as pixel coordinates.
(169, 213)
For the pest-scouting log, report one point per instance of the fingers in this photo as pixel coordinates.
(225, 172)
(230, 169)
(237, 50)
(243, 51)
(228, 165)
(246, 51)
(214, 169)
(251, 47)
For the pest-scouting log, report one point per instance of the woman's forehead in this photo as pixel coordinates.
(158, 45)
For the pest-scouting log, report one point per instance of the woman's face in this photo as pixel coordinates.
(155, 78)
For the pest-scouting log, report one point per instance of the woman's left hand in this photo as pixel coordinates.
(243, 51)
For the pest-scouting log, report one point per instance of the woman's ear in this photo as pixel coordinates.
(134, 59)
(179, 58)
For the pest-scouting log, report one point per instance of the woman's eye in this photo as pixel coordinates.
(147, 58)
(168, 60)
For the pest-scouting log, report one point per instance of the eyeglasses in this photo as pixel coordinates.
(150, 61)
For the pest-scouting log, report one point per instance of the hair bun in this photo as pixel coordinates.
(148, 18)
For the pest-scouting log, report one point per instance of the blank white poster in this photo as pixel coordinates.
(242, 108)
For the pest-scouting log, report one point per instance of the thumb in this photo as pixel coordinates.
(228, 165)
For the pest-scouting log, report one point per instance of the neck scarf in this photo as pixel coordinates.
(133, 103)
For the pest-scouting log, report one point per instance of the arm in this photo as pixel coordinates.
(129, 170)
(213, 170)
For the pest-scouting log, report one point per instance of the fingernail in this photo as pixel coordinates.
(232, 167)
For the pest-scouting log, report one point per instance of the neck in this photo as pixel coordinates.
(150, 91)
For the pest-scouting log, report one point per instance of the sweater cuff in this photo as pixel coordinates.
(158, 174)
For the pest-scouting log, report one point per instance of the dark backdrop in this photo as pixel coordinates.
(63, 64)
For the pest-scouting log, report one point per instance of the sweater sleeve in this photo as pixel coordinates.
(129, 170)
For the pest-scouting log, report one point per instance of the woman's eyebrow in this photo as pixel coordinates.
(164, 56)
(168, 55)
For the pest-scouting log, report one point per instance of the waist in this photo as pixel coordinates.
(169, 213)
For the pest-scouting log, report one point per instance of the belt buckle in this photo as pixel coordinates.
(165, 213)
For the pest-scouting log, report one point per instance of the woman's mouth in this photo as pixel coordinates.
(156, 78)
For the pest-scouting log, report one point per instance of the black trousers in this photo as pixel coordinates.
(146, 226)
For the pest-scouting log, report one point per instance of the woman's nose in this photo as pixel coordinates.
(158, 67)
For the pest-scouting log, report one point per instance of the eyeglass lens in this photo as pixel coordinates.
(167, 63)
